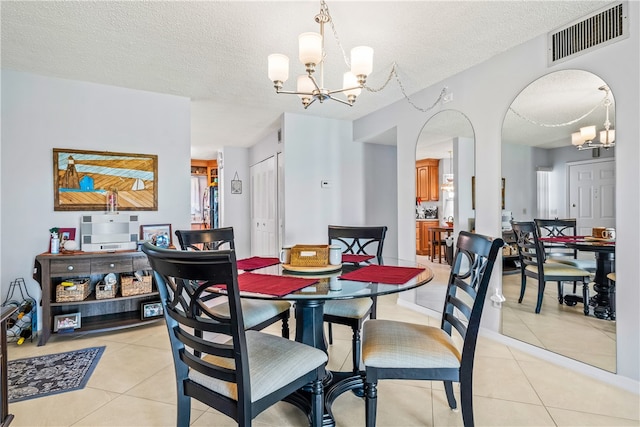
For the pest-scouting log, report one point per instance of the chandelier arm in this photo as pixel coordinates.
(558, 124)
(339, 100)
(290, 92)
(343, 90)
(307, 106)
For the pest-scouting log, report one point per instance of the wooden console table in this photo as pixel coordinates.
(5, 416)
(96, 315)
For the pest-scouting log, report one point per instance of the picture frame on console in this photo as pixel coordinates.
(151, 232)
(151, 310)
(67, 322)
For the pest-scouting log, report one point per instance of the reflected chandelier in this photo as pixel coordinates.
(583, 140)
(312, 54)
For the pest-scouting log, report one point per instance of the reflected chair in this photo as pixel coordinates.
(558, 252)
(239, 373)
(533, 264)
(257, 314)
(401, 350)
(612, 294)
(352, 312)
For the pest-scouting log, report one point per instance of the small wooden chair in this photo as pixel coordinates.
(241, 373)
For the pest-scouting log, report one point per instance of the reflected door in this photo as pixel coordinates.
(592, 190)
(263, 208)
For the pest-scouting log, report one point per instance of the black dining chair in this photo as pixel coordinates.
(241, 373)
(533, 264)
(560, 253)
(353, 312)
(257, 314)
(401, 350)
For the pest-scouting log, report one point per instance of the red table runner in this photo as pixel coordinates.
(256, 262)
(272, 285)
(355, 258)
(383, 274)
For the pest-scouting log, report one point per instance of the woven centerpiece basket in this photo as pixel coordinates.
(78, 292)
(310, 255)
(132, 286)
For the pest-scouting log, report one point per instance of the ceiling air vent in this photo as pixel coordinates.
(599, 29)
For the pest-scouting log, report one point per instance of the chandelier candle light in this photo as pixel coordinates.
(583, 139)
(312, 55)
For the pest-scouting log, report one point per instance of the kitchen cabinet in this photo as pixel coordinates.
(427, 180)
(423, 236)
(206, 167)
(95, 314)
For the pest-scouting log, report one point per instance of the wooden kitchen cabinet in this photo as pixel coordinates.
(423, 237)
(206, 167)
(427, 180)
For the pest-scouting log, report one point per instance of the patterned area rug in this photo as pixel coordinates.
(51, 374)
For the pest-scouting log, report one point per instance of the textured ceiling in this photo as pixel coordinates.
(215, 52)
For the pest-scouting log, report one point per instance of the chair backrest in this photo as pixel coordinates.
(530, 250)
(467, 288)
(557, 228)
(182, 277)
(358, 240)
(207, 239)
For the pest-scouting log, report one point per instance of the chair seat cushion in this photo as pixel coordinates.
(584, 264)
(273, 363)
(558, 269)
(355, 308)
(391, 344)
(254, 312)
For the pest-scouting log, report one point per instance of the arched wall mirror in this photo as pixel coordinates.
(445, 164)
(545, 171)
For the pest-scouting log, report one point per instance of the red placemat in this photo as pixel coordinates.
(356, 258)
(272, 285)
(383, 274)
(256, 262)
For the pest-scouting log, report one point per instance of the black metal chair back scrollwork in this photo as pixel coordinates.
(207, 239)
(400, 350)
(353, 312)
(240, 376)
(358, 240)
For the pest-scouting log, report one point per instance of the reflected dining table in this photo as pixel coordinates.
(604, 250)
(328, 285)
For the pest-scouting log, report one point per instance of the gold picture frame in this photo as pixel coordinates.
(473, 192)
(83, 180)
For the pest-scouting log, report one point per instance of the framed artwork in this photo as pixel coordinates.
(158, 234)
(84, 180)
(236, 185)
(151, 310)
(66, 234)
(66, 322)
(473, 191)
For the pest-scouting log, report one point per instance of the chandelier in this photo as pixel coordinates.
(447, 179)
(312, 55)
(583, 140)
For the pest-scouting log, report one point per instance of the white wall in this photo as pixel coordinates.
(381, 186)
(317, 149)
(236, 208)
(483, 93)
(41, 113)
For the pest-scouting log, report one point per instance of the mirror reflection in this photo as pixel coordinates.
(444, 158)
(558, 160)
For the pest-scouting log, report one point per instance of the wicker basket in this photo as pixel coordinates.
(132, 286)
(81, 291)
(310, 255)
(104, 291)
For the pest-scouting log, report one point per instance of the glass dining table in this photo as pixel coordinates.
(328, 285)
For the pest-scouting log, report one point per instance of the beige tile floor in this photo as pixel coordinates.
(133, 385)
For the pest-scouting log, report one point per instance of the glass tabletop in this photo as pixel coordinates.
(329, 287)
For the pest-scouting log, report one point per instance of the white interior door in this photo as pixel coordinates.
(263, 208)
(280, 214)
(592, 195)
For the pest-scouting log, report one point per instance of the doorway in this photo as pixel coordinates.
(592, 193)
(263, 208)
